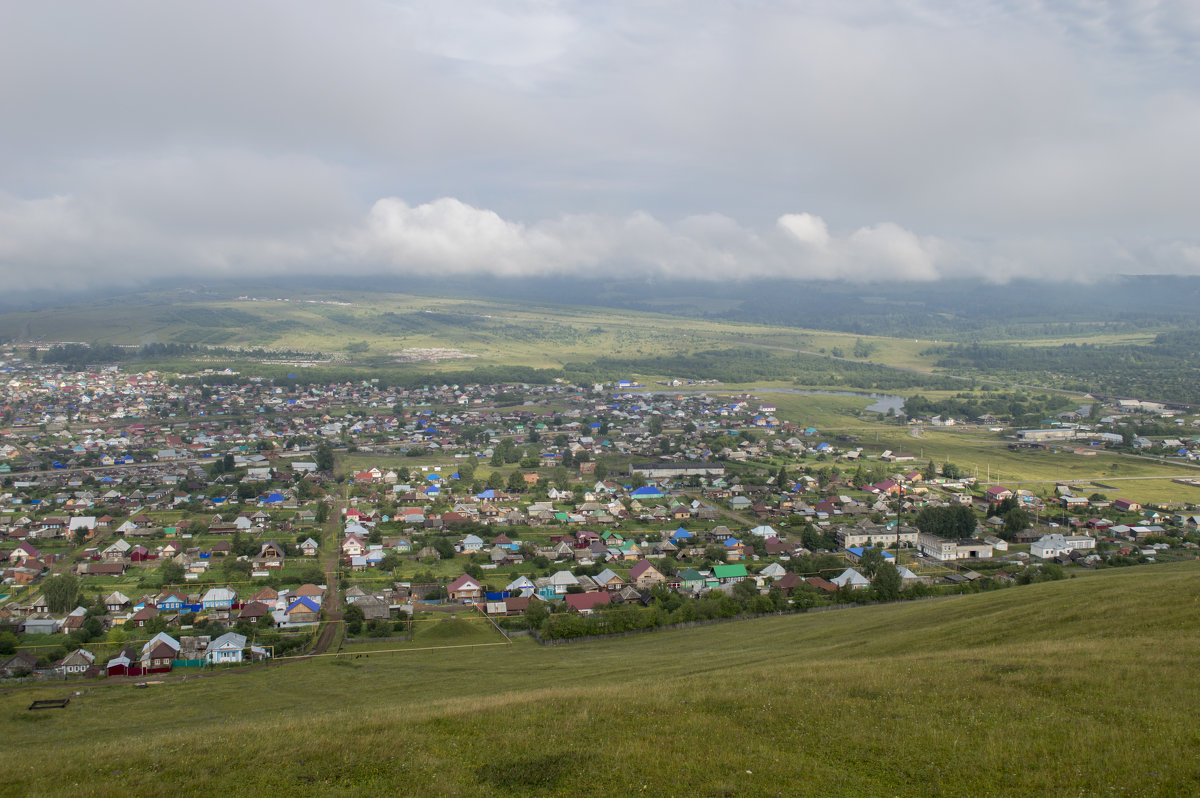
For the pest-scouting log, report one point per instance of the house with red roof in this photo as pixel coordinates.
(997, 493)
(586, 603)
(466, 589)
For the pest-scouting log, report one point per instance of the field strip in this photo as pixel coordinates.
(348, 655)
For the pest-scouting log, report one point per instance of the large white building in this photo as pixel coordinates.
(876, 536)
(1055, 545)
(944, 549)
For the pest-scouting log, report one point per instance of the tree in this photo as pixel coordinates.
(391, 561)
(236, 569)
(171, 571)
(156, 624)
(951, 471)
(322, 512)
(312, 574)
(870, 561)
(353, 617)
(601, 470)
(561, 478)
(516, 482)
(781, 477)
(714, 552)
(863, 349)
(495, 480)
(324, 458)
(444, 548)
(745, 590)
(886, 582)
(947, 522)
(536, 613)
(1015, 520)
(8, 643)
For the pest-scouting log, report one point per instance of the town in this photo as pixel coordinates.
(157, 522)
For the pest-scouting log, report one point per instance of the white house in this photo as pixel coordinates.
(1056, 545)
(773, 571)
(852, 579)
(78, 661)
(218, 598)
(225, 649)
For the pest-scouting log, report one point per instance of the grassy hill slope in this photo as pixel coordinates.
(378, 327)
(1084, 686)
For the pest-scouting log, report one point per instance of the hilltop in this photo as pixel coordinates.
(1081, 686)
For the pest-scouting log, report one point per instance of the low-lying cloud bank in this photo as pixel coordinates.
(69, 243)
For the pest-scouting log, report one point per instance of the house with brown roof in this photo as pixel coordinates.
(645, 576)
(586, 603)
(465, 589)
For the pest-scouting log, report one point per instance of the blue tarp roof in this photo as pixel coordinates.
(857, 551)
(487, 494)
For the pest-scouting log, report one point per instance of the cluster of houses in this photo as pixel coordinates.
(92, 458)
(287, 608)
(160, 654)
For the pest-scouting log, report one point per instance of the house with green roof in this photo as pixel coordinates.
(689, 579)
(726, 574)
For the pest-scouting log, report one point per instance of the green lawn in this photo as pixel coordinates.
(468, 628)
(1074, 687)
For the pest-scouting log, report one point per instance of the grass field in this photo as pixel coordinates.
(985, 454)
(468, 628)
(379, 327)
(1078, 687)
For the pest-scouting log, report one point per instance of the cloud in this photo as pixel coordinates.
(806, 228)
(872, 140)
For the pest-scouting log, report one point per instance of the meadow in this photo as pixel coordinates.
(438, 333)
(1076, 687)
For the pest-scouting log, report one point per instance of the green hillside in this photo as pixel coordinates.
(382, 329)
(1077, 687)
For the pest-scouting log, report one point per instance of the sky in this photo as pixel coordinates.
(862, 141)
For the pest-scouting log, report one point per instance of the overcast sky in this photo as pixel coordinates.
(855, 140)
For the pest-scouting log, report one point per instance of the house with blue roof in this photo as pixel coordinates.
(856, 553)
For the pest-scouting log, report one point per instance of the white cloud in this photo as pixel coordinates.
(998, 139)
(806, 228)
